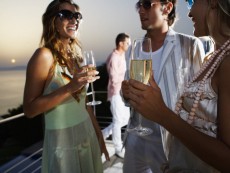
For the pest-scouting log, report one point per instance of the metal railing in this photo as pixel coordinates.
(32, 162)
(28, 160)
(13, 117)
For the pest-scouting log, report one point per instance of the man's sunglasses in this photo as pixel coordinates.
(146, 4)
(190, 3)
(69, 15)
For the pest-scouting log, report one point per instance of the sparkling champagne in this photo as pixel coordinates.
(141, 70)
(91, 68)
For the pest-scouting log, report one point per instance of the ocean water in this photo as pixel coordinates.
(11, 89)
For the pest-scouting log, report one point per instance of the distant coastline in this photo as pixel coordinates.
(11, 88)
(13, 68)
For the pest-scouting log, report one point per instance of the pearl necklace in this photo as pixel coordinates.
(216, 58)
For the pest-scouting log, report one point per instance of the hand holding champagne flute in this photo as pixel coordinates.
(90, 61)
(141, 69)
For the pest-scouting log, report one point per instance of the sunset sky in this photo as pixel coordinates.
(21, 26)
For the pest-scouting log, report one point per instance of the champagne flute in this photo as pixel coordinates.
(89, 59)
(141, 69)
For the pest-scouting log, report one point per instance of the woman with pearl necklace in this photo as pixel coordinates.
(199, 128)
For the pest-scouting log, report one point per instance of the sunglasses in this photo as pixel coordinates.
(69, 15)
(146, 4)
(190, 3)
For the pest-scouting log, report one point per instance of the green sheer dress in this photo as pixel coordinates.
(70, 142)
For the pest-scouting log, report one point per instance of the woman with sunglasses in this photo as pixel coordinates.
(56, 86)
(200, 124)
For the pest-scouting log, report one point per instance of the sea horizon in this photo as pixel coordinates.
(11, 88)
(12, 68)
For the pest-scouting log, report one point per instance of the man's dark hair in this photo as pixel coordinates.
(120, 38)
(172, 14)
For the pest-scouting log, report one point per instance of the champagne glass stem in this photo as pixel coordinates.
(94, 102)
(92, 90)
(139, 121)
(128, 129)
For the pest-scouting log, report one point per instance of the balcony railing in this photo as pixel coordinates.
(11, 118)
(29, 160)
(104, 106)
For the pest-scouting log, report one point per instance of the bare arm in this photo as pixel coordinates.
(214, 151)
(38, 71)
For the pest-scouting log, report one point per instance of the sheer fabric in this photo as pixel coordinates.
(70, 143)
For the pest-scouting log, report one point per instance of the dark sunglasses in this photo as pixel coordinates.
(69, 15)
(190, 3)
(146, 4)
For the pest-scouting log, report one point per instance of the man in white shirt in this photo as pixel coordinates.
(172, 52)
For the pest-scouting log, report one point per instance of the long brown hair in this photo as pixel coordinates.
(51, 39)
(224, 17)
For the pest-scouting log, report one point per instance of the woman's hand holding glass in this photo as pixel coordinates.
(90, 73)
(82, 76)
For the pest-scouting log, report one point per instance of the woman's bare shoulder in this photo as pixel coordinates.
(43, 52)
(42, 56)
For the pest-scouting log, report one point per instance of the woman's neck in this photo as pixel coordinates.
(219, 41)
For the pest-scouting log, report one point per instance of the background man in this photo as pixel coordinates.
(116, 67)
